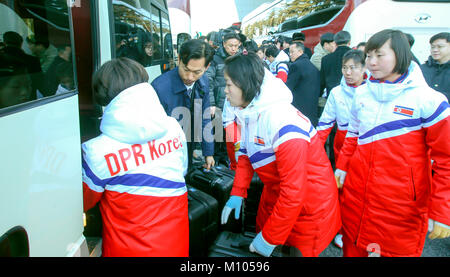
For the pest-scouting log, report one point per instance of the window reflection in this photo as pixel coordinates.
(138, 32)
(34, 43)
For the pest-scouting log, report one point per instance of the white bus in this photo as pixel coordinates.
(47, 112)
(422, 19)
(363, 18)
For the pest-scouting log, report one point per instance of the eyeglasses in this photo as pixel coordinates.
(351, 68)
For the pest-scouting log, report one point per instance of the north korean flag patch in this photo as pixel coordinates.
(259, 141)
(404, 111)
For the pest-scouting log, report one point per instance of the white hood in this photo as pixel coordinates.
(281, 57)
(273, 92)
(135, 116)
(386, 92)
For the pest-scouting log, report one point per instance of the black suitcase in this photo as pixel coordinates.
(251, 204)
(218, 183)
(230, 244)
(203, 222)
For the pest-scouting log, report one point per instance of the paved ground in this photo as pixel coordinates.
(433, 248)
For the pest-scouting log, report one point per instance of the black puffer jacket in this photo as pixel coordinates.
(216, 78)
(437, 75)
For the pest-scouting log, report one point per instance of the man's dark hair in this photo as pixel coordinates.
(231, 35)
(247, 72)
(298, 37)
(399, 44)
(342, 38)
(251, 46)
(443, 35)
(357, 56)
(12, 39)
(196, 49)
(327, 37)
(272, 51)
(299, 45)
(116, 76)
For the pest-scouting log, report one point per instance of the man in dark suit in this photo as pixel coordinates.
(185, 89)
(303, 81)
(331, 65)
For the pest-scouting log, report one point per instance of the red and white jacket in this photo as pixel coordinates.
(336, 111)
(395, 130)
(299, 202)
(279, 67)
(136, 168)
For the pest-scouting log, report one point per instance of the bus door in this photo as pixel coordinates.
(40, 161)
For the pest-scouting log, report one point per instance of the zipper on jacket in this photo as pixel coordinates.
(371, 168)
(247, 142)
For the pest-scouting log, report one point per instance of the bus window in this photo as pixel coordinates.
(156, 32)
(319, 17)
(36, 60)
(137, 31)
(288, 25)
(132, 32)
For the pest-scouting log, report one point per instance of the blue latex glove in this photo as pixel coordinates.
(261, 246)
(235, 202)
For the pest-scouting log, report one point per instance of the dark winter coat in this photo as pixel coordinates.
(331, 69)
(304, 82)
(437, 75)
(216, 78)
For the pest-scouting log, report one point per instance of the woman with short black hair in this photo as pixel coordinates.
(116, 76)
(136, 167)
(298, 205)
(397, 126)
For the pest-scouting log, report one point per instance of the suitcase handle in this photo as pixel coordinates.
(213, 169)
(240, 244)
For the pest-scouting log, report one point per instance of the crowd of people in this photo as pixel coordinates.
(389, 183)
